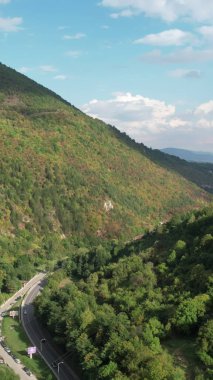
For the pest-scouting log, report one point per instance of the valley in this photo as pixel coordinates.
(125, 230)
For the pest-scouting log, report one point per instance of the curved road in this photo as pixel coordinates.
(36, 334)
(18, 368)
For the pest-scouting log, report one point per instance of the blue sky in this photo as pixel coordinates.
(144, 66)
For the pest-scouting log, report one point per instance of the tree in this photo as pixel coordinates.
(190, 311)
(205, 343)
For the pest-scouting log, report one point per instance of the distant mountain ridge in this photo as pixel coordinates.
(189, 155)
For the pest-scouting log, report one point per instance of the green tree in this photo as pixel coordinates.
(205, 343)
(190, 311)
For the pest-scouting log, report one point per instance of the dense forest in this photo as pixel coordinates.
(67, 180)
(69, 183)
(124, 309)
(62, 171)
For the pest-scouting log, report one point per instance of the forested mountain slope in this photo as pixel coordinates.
(141, 310)
(198, 172)
(63, 171)
(66, 178)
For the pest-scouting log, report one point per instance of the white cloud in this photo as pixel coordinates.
(184, 73)
(76, 36)
(204, 123)
(73, 53)
(131, 112)
(60, 77)
(168, 10)
(174, 37)
(177, 123)
(154, 122)
(10, 24)
(47, 68)
(124, 13)
(205, 108)
(186, 55)
(4, 1)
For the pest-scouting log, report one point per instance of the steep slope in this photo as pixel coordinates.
(199, 173)
(63, 171)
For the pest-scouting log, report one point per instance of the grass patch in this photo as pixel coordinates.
(64, 282)
(7, 374)
(18, 342)
(183, 350)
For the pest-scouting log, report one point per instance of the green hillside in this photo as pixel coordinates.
(66, 178)
(200, 173)
(59, 167)
(141, 310)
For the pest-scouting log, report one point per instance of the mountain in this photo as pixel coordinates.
(67, 174)
(67, 182)
(67, 179)
(141, 310)
(189, 155)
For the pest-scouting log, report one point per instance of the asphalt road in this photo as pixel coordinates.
(36, 334)
(18, 368)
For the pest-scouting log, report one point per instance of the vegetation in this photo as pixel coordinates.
(18, 342)
(137, 311)
(7, 374)
(199, 173)
(68, 183)
(69, 180)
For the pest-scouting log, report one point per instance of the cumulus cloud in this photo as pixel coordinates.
(205, 108)
(184, 73)
(132, 113)
(177, 123)
(154, 122)
(186, 55)
(174, 37)
(10, 24)
(168, 10)
(76, 36)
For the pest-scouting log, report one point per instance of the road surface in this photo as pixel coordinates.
(18, 368)
(37, 334)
